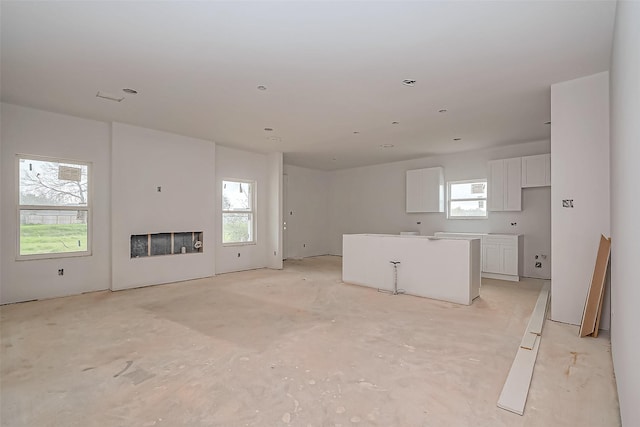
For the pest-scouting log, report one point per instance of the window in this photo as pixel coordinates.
(238, 215)
(467, 199)
(54, 208)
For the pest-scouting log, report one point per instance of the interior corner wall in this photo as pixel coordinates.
(30, 131)
(243, 165)
(143, 160)
(371, 199)
(625, 205)
(580, 172)
(274, 249)
(306, 212)
(2, 268)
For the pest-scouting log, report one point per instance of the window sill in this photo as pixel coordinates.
(467, 217)
(53, 256)
(224, 245)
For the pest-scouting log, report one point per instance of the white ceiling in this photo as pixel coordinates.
(330, 68)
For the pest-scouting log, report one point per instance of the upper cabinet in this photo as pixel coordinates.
(536, 171)
(504, 182)
(425, 190)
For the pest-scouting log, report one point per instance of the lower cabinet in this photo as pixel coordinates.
(491, 259)
(502, 254)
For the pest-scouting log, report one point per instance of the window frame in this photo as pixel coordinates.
(252, 211)
(467, 181)
(88, 208)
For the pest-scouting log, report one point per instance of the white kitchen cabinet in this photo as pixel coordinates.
(502, 256)
(491, 258)
(425, 190)
(504, 180)
(536, 171)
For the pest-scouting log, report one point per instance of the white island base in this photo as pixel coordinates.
(442, 269)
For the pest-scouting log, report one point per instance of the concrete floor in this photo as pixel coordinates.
(294, 347)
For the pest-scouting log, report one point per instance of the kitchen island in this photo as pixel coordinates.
(439, 268)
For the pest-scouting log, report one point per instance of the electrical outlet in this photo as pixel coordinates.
(159, 189)
(61, 272)
(567, 203)
(538, 264)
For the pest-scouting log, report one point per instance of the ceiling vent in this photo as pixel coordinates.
(109, 96)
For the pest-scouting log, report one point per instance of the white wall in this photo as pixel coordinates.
(274, 249)
(625, 205)
(372, 200)
(243, 165)
(29, 131)
(128, 164)
(142, 160)
(2, 237)
(580, 171)
(306, 212)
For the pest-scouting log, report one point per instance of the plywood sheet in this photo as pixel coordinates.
(599, 316)
(593, 304)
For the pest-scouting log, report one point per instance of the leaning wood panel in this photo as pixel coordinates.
(593, 306)
(599, 316)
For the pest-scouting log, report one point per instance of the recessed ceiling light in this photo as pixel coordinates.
(457, 139)
(547, 123)
(268, 129)
(387, 146)
(443, 110)
(395, 123)
(109, 96)
(130, 91)
(409, 82)
(262, 87)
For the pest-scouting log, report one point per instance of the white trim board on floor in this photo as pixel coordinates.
(536, 321)
(516, 388)
(514, 394)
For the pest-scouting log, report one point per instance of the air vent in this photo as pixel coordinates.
(109, 96)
